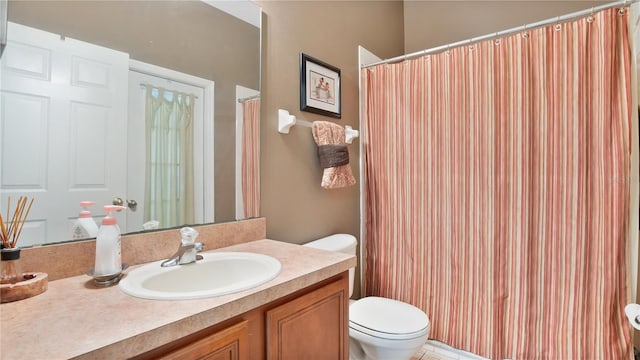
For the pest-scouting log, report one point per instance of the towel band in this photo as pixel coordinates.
(333, 155)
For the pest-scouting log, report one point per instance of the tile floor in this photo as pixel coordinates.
(435, 350)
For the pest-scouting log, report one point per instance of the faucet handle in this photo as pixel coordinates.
(188, 235)
(187, 250)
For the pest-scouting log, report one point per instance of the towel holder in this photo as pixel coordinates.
(286, 121)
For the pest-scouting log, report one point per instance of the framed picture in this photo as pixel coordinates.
(319, 87)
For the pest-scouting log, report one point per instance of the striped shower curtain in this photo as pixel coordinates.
(251, 157)
(497, 190)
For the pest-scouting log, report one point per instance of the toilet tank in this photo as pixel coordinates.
(344, 243)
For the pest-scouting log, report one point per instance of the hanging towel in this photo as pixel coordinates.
(333, 155)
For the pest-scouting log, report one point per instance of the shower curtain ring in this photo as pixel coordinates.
(590, 17)
(558, 26)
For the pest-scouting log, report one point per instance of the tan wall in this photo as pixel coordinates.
(296, 207)
(432, 23)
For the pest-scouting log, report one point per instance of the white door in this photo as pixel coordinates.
(137, 148)
(64, 138)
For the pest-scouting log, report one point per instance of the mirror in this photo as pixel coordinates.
(100, 151)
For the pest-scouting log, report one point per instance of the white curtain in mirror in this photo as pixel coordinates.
(169, 165)
(250, 157)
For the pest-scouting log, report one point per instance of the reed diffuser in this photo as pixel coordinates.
(10, 230)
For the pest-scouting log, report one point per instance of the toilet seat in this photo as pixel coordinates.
(387, 319)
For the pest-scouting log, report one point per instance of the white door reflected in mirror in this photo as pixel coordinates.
(64, 121)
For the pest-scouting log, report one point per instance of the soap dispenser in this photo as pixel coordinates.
(84, 227)
(108, 265)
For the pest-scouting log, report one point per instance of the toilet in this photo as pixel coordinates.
(379, 328)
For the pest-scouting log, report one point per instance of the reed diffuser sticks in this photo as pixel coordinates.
(10, 232)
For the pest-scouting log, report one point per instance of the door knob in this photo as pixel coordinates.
(117, 201)
(132, 204)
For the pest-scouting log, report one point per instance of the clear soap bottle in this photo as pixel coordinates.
(10, 268)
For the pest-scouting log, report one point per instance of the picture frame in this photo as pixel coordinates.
(320, 87)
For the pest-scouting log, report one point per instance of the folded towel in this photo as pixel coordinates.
(333, 154)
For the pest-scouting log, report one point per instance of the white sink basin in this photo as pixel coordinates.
(219, 273)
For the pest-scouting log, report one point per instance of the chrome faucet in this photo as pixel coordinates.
(187, 250)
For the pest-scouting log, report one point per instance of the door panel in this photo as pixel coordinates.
(89, 160)
(33, 112)
(324, 310)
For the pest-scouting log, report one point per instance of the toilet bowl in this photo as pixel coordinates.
(379, 328)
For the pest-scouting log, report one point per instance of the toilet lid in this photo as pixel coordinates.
(387, 316)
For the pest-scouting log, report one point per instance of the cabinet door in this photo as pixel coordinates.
(228, 344)
(313, 326)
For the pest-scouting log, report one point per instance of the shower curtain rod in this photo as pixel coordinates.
(144, 86)
(556, 20)
(248, 98)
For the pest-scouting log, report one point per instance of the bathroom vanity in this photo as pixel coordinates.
(302, 313)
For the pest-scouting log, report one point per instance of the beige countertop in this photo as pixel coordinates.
(75, 319)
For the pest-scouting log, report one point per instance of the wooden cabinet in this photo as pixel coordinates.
(313, 326)
(309, 324)
(222, 342)
(228, 344)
